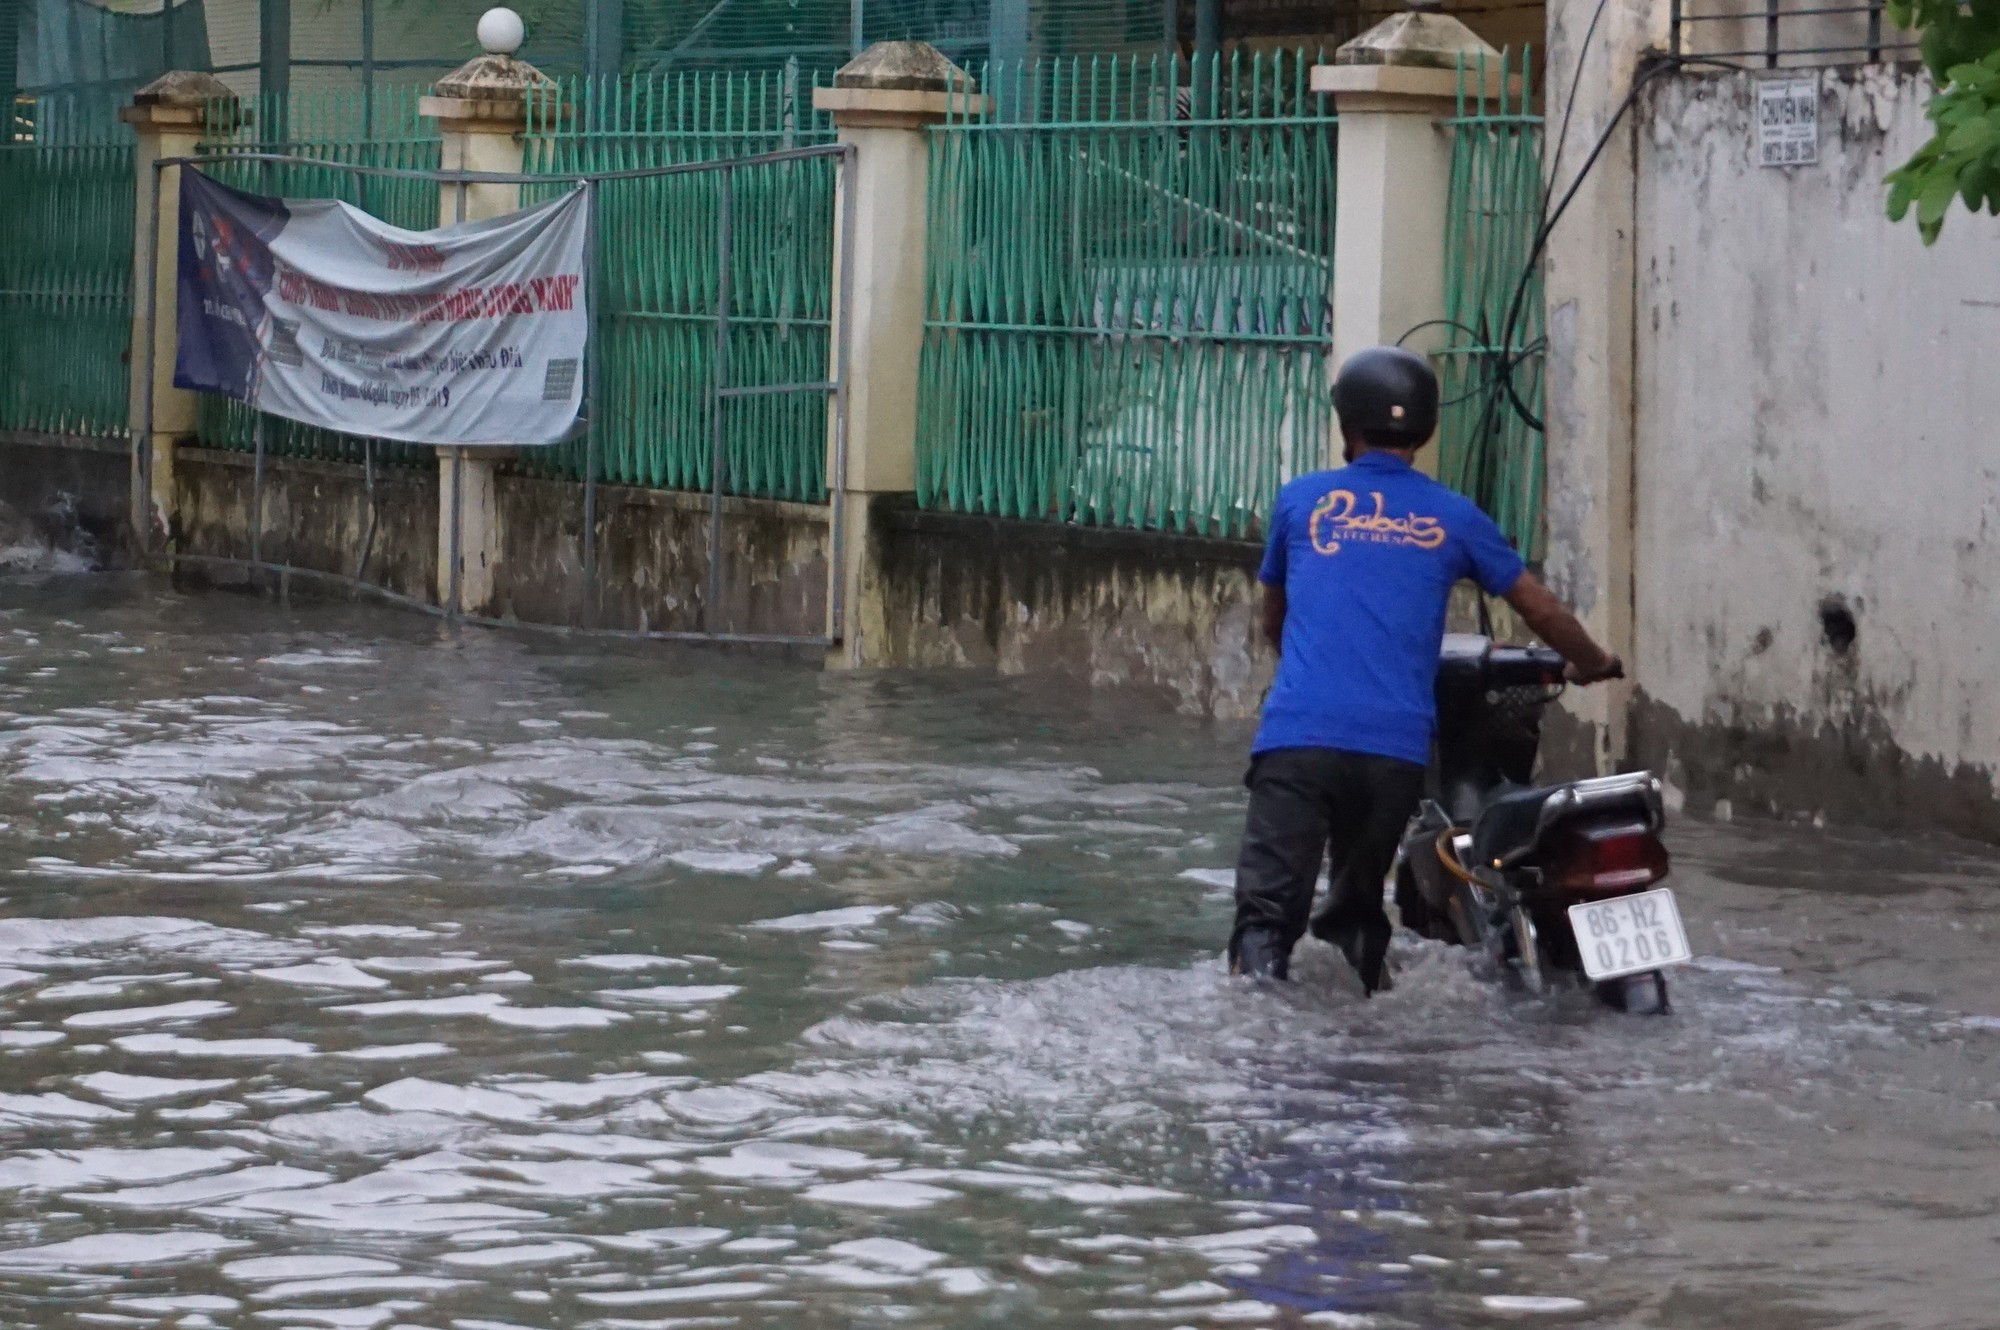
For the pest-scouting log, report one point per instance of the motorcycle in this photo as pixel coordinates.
(1557, 883)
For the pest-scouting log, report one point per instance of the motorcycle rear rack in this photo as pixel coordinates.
(1590, 796)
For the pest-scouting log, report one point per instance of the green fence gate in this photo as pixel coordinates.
(1490, 445)
(669, 313)
(1131, 268)
(67, 199)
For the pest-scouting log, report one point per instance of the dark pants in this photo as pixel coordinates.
(1307, 804)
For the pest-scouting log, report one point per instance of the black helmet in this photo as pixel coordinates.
(1388, 396)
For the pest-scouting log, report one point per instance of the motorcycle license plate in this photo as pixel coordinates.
(1630, 934)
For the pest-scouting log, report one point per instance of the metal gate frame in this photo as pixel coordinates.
(834, 387)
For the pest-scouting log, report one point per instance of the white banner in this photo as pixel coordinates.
(313, 310)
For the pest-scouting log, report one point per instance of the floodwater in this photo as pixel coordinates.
(356, 975)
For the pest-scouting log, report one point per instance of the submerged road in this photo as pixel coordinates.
(353, 976)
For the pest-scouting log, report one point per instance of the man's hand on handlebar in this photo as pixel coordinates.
(1612, 668)
(1552, 621)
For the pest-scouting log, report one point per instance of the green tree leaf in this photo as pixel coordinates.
(1935, 197)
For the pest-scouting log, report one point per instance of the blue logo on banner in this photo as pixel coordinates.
(226, 273)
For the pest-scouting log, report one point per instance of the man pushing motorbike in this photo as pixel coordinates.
(1357, 577)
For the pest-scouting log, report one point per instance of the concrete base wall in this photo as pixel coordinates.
(315, 515)
(71, 494)
(1817, 511)
(1174, 615)
(653, 560)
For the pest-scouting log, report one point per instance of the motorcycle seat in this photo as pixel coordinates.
(1509, 822)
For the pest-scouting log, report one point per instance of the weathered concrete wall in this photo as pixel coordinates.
(652, 555)
(653, 560)
(1817, 517)
(1175, 615)
(72, 494)
(315, 515)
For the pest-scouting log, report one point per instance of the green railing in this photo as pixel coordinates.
(1490, 444)
(379, 127)
(66, 228)
(1131, 269)
(660, 268)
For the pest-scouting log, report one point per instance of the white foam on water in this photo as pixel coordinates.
(428, 965)
(63, 1170)
(1274, 1236)
(205, 1190)
(220, 1111)
(316, 659)
(671, 1239)
(31, 942)
(735, 863)
(888, 1253)
(605, 1089)
(492, 1007)
(173, 1045)
(394, 1052)
(852, 916)
(595, 1145)
(264, 1269)
(191, 1302)
(842, 1275)
(523, 1257)
(881, 1194)
(123, 1089)
(779, 1161)
(123, 1017)
(15, 978)
(626, 963)
(1524, 1304)
(120, 1251)
(361, 1131)
(723, 1106)
(30, 1038)
(691, 995)
(414, 1094)
(327, 972)
(963, 1283)
(648, 1297)
(26, 1108)
(403, 932)
(350, 1285)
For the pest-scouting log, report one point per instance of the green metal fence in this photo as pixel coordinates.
(374, 127)
(660, 273)
(1490, 444)
(66, 225)
(1129, 294)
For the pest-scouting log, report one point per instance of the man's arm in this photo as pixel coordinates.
(1274, 616)
(1552, 621)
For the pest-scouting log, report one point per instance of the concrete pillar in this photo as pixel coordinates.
(1391, 86)
(881, 104)
(1589, 285)
(169, 117)
(482, 115)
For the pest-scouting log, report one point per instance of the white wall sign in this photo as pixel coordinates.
(1788, 122)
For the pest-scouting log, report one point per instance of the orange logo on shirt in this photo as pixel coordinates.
(1336, 519)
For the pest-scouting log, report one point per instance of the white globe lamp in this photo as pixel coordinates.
(501, 32)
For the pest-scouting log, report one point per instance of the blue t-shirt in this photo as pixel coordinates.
(1367, 556)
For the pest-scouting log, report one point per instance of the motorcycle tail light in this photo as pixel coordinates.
(1605, 860)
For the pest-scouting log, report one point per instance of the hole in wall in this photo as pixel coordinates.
(1836, 624)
